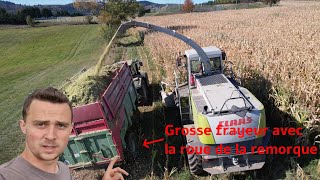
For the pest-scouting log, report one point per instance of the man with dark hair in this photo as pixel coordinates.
(47, 124)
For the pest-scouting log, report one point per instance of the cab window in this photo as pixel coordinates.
(216, 63)
(195, 66)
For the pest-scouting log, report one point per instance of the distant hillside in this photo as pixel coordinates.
(12, 7)
(55, 8)
(155, 7)
(148, 3)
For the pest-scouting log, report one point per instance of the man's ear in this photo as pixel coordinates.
(22, 124)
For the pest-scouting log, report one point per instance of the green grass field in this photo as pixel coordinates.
(31, 58)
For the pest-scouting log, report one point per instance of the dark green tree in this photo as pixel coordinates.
(76, 14)
(8, 18)
(3, 16)
(34, 12)
(18, 18)
(141, 11)
(271, 2)
(210, 3)
(45, 12)
(62, 13)
(111, 12)
(121, 10)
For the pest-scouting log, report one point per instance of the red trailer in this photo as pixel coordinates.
(100, 128)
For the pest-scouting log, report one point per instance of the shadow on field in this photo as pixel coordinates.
(180, 29)
(276, 165)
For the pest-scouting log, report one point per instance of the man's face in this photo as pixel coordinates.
(47, 128)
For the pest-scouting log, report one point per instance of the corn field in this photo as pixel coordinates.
(280, 44)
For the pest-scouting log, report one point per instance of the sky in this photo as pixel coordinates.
(35, 2)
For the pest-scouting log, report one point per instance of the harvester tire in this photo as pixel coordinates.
(195, 164)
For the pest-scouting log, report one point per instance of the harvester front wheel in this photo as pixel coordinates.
(195, 164)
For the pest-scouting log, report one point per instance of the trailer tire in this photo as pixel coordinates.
(145, 77)
(132, 145)
(144, 88)
(195, 164)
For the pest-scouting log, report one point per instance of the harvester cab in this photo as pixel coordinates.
(140, 80)
(196, 67)
(212, 100)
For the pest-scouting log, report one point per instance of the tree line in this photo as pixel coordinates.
(189, 6)
(20, 17)
(110, 13)
(214, 2)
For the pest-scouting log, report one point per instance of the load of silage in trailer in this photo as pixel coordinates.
(89, 86)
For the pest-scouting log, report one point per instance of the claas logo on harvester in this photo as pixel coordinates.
(235, 122)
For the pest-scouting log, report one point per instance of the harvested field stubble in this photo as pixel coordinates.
(281, 44)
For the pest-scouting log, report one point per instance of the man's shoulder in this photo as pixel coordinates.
(9, 168)
(63, 166)
(8, 164)
(18, 169)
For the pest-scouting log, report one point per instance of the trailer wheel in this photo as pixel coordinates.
(132, 145)
(145, 76)
(144, 88)
(195, 164)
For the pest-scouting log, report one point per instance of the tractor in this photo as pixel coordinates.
(140, 80)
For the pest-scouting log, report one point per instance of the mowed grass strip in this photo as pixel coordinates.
(32, 58)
